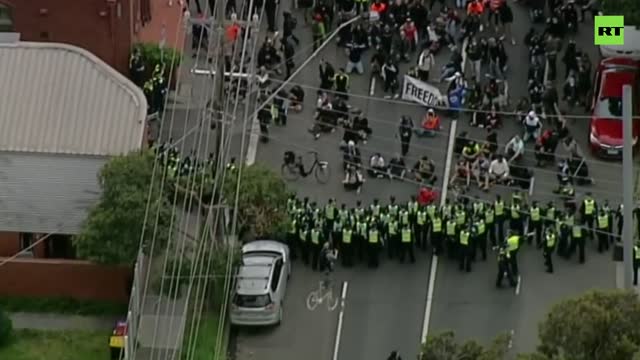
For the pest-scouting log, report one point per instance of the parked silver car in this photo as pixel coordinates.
(261, 284)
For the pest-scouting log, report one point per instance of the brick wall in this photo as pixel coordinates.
(104, 27)
(65, 278)
(9, 243)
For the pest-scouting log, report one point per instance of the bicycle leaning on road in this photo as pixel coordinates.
(293, 167)
(325, 290)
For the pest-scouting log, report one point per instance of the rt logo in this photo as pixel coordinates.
(609, 30)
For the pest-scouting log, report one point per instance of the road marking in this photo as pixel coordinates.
(518, 285)
(253, 142)
(434, 259)
(464, 53)
(343, 297)
(531, 185)
(372, 86)
(512, 334)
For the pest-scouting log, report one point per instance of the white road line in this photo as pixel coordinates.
(464, 53)
(372, 86)
(434, 259)
(519, 285)
(343, 297)
(253, 142)
(532, 184)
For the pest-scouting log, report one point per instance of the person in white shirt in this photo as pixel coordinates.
(514, 148)
(498, 172)
(353, 179)
(426, 62)
(532, 126)
(377, 166)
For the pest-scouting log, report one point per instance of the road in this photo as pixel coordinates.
(384, 308)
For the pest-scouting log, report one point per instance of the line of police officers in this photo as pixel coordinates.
(462, 230)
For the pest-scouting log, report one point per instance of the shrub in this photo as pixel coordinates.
(6, 328)
(152, 55)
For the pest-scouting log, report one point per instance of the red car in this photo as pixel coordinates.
(605, 133)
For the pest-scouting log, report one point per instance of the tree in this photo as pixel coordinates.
(444, 346)
(599, 325)
(262, 200)
(629, 8)
(6, 328)
(111, 233)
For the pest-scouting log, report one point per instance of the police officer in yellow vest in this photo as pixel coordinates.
(293, 236)
(498, 209)
(412, 208)
(603, 231)
(393, 237)
(346, 246)
(373, 245)
(461, 217)
(535, 223)
(452, 237)
(550, 238)
(489, 222)
(636, 262)
(420, 228)
(515, 216)
(513, 244)
(504, 267)
(436, 230)
(406, 238)
(316, 237)
(464, 248)
(578, 240)
(330, 212)
(403, 217)
(336, 234)
(304, 238)
(479, 237)
(589, 209)
(360, 237)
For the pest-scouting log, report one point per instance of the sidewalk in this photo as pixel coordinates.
(45, 321)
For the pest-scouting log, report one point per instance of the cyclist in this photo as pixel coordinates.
(328, 257)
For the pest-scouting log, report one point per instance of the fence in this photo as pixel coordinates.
(135, 303)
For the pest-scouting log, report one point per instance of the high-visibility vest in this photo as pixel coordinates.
(515, 211)
(534, 212)
(421, 218)
(550, 214)
(293, 227)
(480, 227)
(577, 231)
(436, 225)
(337, 226)
(513, 242)
(551, 239)
(393, 227)
(316, 214)
(406, 235)
(404, 217)
(461, 217)
(413, 207)
(464, 237)
(343, 214)
(361, 228)
(384, 218)
(304, 235)
(499, 207)
(329, 212)
(393, 210)
(431, 211)
(636, 251)
(315, 236)
(375, 210)
(447, 211)
(569, 220)
(291, 204)
(451, 227)
(603, 221)
(589, 206)
(488, 216)
(478, 207)
(359, 212)
(346, 236)
(373, 236)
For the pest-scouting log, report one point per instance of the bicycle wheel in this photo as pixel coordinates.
(332, 302)
(312, 300)
(290, 172)
(322, 172)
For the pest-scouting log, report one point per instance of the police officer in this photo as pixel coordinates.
(515, 216)
(451, 237)
(330, 213)
(393, 209)
(535, 222)
(549, 245)
(565, 241)
(412, 208)
(383, 221)
(304, 237)
(317, 239)
(342, 84)
(149, 93)
(435, 234)
(346, 246)
(407, 243)
(498, 208)
(513, 244)
(550, 215)
(393, 242)
(359, 211)
(446, 210)
(136, 67)
(464, 250)
(589, 209)
(373, 239)
(603, 231)
(375, 208)
(293, 236)
(504, 267)
(361, 236)
(636, 262)
(489, 221)
(479, 237)
(336, 234)
(420, 228)
(578, 240)
(461, 216)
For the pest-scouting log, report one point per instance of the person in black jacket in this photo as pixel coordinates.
(289, 24)
(289, 53)
(271, 9)
(327, 73)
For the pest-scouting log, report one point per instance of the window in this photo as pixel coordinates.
(252, 301)
(26, 239)
(275, 279)
(6, 18)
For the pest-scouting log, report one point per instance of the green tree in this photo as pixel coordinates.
(262, 200)
(599, 325)
(111, 232)
(6, 328)
(629, 8)
(445, 346)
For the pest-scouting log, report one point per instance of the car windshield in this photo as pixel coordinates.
(252, 301)
(609, 108)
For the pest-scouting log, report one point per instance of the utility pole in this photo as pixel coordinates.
(627, 187)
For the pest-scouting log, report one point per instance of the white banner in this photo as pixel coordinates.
(421, 92)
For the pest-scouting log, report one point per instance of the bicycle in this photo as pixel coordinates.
(324, 293)
(293, 168)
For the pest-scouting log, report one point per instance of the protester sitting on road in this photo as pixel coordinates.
(424, 170)
(491, 142)
(461, 141)
(351, 155)
(361, 125)
(377, 166)
(426, 195)
(532, 126)
(471, 151)
(498, 172)
(296, 97)
(430, 125)
(397, 167)
(353, 179)
(571, 146)
(514, 149)
(462, 171)
(545, 148)
(479, 168)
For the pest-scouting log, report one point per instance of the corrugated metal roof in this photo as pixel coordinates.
(47, 193)
(57, 98)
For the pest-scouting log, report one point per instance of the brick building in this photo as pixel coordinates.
(107, 28)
